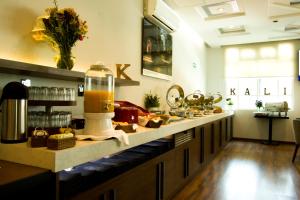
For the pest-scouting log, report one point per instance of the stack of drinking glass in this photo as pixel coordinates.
(51, 93)
(56, 119)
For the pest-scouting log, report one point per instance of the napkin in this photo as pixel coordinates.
(120, 135)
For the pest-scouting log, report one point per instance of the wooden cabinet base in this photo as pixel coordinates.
(163, 176)
(138, 183)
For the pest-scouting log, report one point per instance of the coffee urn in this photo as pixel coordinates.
(14, 113)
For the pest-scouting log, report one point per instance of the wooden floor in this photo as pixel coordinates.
(247, 171)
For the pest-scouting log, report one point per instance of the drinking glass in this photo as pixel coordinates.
(40, 119)
(73, 95)
(54, 120)
(34, 119)
(68, 94)
(33, 93)
(53, 91)
(62, 119)
(69, 118)
(62, 94)
(46, 120)
(44, 93)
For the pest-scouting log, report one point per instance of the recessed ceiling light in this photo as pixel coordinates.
(293, 2)
(221, 8)
(232, 29)
(292, 27)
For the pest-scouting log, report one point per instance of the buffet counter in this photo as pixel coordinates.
(85, 151)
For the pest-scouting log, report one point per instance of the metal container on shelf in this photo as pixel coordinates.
(14, 113)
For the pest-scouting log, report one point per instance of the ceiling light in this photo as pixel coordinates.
(292, 27)
(293, 2)
(232, 29)
(221, 8)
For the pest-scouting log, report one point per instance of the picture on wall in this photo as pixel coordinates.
(156, 51)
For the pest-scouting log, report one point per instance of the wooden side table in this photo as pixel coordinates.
(270, 118)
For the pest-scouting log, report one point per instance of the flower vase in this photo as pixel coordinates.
(65, 60)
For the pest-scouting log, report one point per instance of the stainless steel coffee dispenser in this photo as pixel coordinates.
(14, 113)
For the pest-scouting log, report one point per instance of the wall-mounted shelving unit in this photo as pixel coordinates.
(28, 69)
(49, 104)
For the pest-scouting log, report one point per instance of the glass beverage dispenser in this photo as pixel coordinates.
(98, 101)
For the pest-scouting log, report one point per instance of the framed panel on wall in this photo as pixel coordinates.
(156, 51)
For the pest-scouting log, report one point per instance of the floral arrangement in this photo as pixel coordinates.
(62, 28)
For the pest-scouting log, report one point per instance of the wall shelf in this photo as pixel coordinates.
(28, 69)
(51, 103)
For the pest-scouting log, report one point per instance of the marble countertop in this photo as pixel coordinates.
(85, 151)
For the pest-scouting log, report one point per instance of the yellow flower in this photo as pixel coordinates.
(38, 35)
(61, 28)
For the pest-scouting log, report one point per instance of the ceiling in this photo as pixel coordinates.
(228, 22)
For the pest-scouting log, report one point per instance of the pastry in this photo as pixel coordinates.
(127, 128)
(39, 138)
(150, 121)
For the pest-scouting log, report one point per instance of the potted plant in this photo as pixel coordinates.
(229, 103)
(151, 102)
(259, 104)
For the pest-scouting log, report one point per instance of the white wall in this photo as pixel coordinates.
(215, 70)
(115, 31)
(245, 125)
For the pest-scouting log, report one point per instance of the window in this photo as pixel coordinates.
(260, 72)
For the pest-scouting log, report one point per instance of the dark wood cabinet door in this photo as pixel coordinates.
(223, 132)
(166, 183)
(188, 158)
(207, 138)
(138, 183)
(180, 165)
(229, 128)
(195, 153)
(217, 142)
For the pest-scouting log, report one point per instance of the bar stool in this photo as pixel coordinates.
(296, 125)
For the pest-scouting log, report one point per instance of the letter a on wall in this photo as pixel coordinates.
(247, 92)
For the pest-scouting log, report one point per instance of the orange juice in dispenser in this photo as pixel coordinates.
(98, 101)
